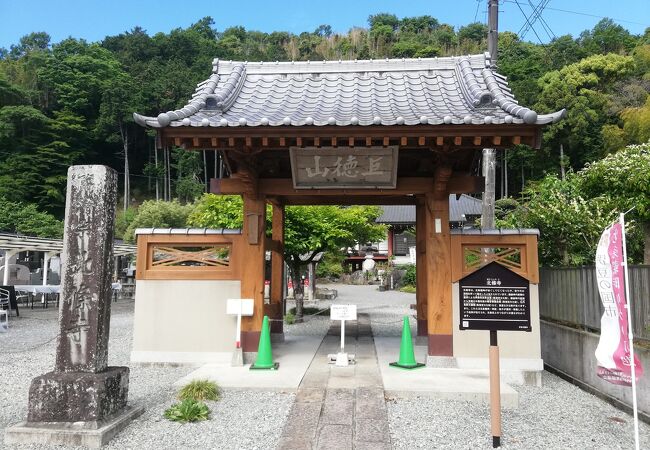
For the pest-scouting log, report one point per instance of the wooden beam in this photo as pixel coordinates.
(421, 271)
(265, 141)
(316, 142)
(477, 140)
(214, 141)
(299, 142)
(441, 177)
(195, 142)
(351, 142)
(283, 142)
(403, 141)
(347, 200)
(249, 141)
(386, 141)
(465, 184)
(368, 141)
(177, 142)
(231, 142)
(334, 144)
(439, 141)
(458, 140)
(438, 255)
(516, 140)
(496, 140)
(277, 261)
(422, 140)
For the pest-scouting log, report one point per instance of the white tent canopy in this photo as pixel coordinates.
(13, 244)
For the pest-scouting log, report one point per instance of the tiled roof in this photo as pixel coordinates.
(451, 90)
(405, 214)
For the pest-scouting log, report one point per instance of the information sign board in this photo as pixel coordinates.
(343, 312)
(494, 298)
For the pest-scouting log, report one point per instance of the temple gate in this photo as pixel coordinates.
(401, 131)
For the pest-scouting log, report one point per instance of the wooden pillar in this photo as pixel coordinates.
(252, 283)
(277, 268)
(421, 268)
(438, 257)
(391, 240)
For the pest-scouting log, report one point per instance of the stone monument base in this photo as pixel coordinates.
(78, 396)
(93, 435)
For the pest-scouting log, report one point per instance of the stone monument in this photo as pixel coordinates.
(83, 401)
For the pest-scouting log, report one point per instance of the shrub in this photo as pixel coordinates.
(158, 214)
(311, 311)
(409, 289)
(200, 390)
(410, 277)
(290, 318)
(187, 411)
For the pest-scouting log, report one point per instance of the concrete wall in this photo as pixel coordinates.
(519, 351)
(572, 351)
(183, 321)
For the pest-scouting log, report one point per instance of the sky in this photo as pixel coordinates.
(93, 20)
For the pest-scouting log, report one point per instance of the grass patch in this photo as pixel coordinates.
(409, 289)
(199, 390)
(311, 311)
(187, 411)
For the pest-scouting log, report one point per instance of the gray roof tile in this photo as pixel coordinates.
(405, 214)
(453, 90)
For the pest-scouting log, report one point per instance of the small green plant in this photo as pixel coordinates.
(187, 411)
(409, 289)
(200, 390)
(290, 319)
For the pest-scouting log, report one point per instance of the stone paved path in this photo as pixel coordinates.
(340, 407)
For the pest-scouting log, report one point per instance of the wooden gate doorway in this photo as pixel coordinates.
(351, 132)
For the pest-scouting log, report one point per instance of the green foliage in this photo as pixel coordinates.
(158, 214)
(331, 265)
(570, 224)
(187, 411)
(217, 211)
(200, 390)
(26, 219)
(290, 318)
(122, 221)
(409, 289)
(410, 277)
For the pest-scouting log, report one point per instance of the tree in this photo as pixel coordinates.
(158, 214)
(309, 230)
(21, 218)
(622, 179)
(582, 88)
(569, 223)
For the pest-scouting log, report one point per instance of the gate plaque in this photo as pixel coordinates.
(344, 167)
(494, 298)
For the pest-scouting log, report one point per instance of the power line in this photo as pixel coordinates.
(528, 23)
(478, 5)
(586, 14)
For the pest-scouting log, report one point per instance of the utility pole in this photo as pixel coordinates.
(489, 154)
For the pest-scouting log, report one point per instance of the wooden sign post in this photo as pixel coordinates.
(494, 298)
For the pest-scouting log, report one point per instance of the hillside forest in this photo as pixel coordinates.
(71, 102)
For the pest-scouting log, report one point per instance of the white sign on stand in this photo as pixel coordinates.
(239, 307)
(342, 313)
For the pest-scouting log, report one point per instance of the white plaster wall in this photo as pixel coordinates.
(518, 350)
(183, 321)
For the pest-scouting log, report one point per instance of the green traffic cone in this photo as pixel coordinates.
(264, 359)
(406, 353)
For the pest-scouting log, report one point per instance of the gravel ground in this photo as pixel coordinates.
(557, 415)
(242, 419)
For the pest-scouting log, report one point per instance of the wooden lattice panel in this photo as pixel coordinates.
(517, 252)
(182, 256)
(478, 256)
